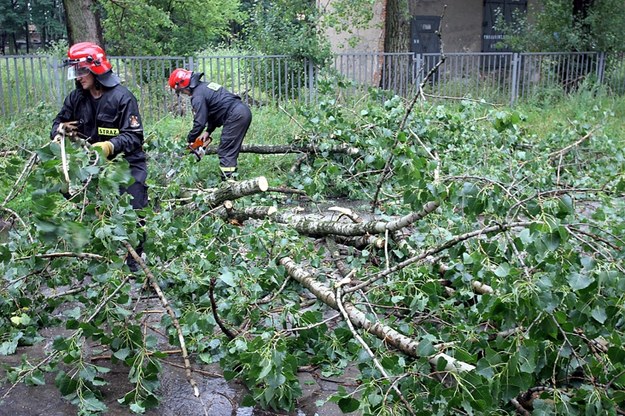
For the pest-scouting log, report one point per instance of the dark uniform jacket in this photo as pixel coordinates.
(210, 102)
(113, 117)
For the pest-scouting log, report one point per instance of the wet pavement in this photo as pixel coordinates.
(217, 396)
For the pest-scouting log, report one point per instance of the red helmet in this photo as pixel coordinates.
(90, 56)
(180, 78)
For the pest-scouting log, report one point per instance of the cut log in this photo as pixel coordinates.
(229, 191)
(248, 213)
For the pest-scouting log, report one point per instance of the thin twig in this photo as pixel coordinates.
(15, 214)
(63, 254)
(387, 166)
(16, 189)
(64, 165)
(435, 250)
(211, 296)
(170, 312)
(560, 153)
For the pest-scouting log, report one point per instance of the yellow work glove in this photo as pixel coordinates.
(107, 147)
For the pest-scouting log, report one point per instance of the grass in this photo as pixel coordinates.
(595, 109)
(273, 125)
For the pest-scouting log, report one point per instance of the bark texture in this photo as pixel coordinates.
(317, 227)
(397, 36)
(284, 149)
(234, 190)
(82, 18)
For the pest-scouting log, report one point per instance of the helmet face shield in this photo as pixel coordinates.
(76, 71)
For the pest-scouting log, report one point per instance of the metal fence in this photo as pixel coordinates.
(27, 80)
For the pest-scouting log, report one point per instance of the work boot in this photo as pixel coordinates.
(228, 173)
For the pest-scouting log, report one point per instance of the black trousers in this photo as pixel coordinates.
(234, 130)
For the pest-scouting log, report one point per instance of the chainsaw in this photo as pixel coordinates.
(198, 147)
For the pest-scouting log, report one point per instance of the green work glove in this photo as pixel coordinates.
(107, 147)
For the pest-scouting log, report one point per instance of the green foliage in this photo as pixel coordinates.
(553, 27)
(552, 327)
(13, 14)
(344, 16)
(286, 27)
(176, 28)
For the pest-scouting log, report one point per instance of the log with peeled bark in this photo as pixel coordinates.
(392, 337)
(287, 148)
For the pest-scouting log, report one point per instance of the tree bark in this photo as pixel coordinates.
(82, 18)
(392, 337)
(318, 227)
(235, 190)
(397, 26)
(283, 149)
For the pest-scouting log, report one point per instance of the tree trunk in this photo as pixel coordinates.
(581, 8)
(82, 18)
(396, 39)
(397, 26)
(27, 36)
(309, 225)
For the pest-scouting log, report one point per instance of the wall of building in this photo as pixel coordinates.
(461, 22)
(461, 30)
(369, 39)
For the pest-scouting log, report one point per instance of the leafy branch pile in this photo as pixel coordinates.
(478, 269)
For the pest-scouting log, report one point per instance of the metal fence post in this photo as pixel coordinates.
(515, 78)
(418, 69)
(600, 67)
(58, 94)
(311, 81)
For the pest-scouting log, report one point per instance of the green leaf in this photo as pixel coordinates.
(503, 270)
(578, 281)
(227, 277)
(599, 314)
(526, 237)
(348, 404)
(9, 347)
(121, 354)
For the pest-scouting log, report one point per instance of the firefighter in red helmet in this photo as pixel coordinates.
(107, 113)
(214, 106)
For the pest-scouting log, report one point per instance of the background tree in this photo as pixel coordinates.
(48, 17)
(562, 25)
(17, 15)
(83, 21)
(13, 15)
(397, 27)
(286, 27)
(174, 27)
